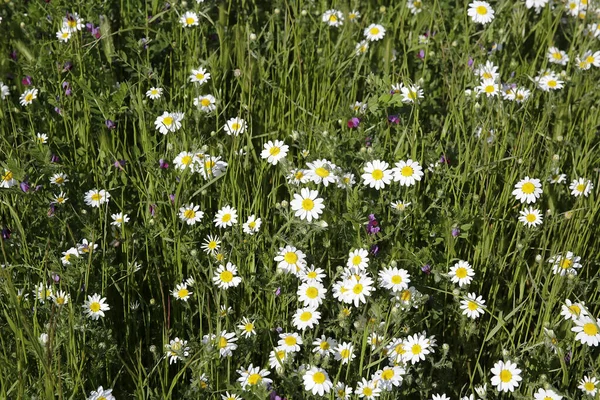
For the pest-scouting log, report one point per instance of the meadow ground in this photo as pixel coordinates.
(299, 199)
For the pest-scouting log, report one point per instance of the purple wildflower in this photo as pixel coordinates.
(25, 186)
(353, 122)
(455, 232)
(27, 81)
(163, 164)
(393, 119)
(426, 269)
(110, 124)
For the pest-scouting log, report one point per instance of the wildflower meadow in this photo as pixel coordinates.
(299, 199)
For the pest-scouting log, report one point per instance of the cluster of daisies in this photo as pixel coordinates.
(529, 190)
(372, 33)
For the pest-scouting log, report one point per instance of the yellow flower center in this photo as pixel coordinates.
(345, 353)
(205, 102)
(357, 289)
(490, 89)
(226, 218)
(29, 97)
(189, 214)
(407, 171)
(531, 217)
(305, 316)
(212, 245)
(186, 160)
(557, 56)
(65, 35)
(249, 327)
(471, 305)
(387, 374)
(566, 263)
(274, 151)
(290, 257)
(311, 275)
(589, 386)
(254, 379)
(71, 23)
(461, 272)
(252, 224)
(324, 345)
(374, 31)
(60, 300)
(96, 197)
(168, 121)
(481, 10)
(528, 188)
(226, 276)
(333, 18)
(95, 306)
(312, 292)
(222, 342)
(182, 293)
(322, 172)
(416, 349)
(319, 378)
(377, 174)
(199, 76)
(590, 329)
(367, 391)
(580, 187)
(505, 376)
(575, 309)
(7, 176)
(399, 349)
(406, 295)
(396, 279)
(308, 204)
(356, 260)
(235, 126)
(189, 20)
(290, 341)
(589, 59)
(487, 75)
(299, 175)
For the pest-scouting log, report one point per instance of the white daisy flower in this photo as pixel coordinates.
(188, 19)
(226, 216)
(563, 265)
(394, 279)
(316, 380)
(506, 376)
(333, 18)
(480, 12)
(407, 172)
(377, 175)
(274, 151)
(28, 96)
(235, 126)
(181, 292)
(589, 385)
(207, 102)
(307, 317)
(154, 93)
(191, 214)
(581, 186)
(587, 331)
(374, 32)
(252, 225)
(527, 190)
(199, 76)
(531, 217)
(462, 273)
(95, 306)
(225, 277)
(307, 205)
(168, 122)
(473, 306)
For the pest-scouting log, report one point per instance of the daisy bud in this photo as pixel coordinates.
(22, 25)
(555, 157)
(284, 203)
(393, 264)
(568, 214)
(184, 4)
(382, 9)
(237, 72)
(454, 43)
(538, 258)
(456, 292)
(152, 349)
(194, 253)
(83, 211)
(559, 138)
(303, 13)
(276, 11)
(152, 302)
(363, 149)
(519, 246)
(325, 133)
(505, 353)
(252, 36)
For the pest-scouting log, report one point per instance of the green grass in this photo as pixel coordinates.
(296, 82)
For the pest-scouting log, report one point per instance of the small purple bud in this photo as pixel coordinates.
(371, 217)
(374, 249)
(38, 187)
(278, 291)
(6, 233)
(279, 329)
(26, 81)
(163, 164)
(13, 55)
(89, 26)
(67, 66)
(470, 62)
(172, 198)
(96, 32)
(568, 357)
(54, 158)
(51, 210)
(25, 186)
(58, 110)
(152, 209)
(120, 164)
(426, 269)
(455, 232)
(393, 119)
(421, 54)
(68, 92)
(110, 124)
(56, 277)
(353, 122)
